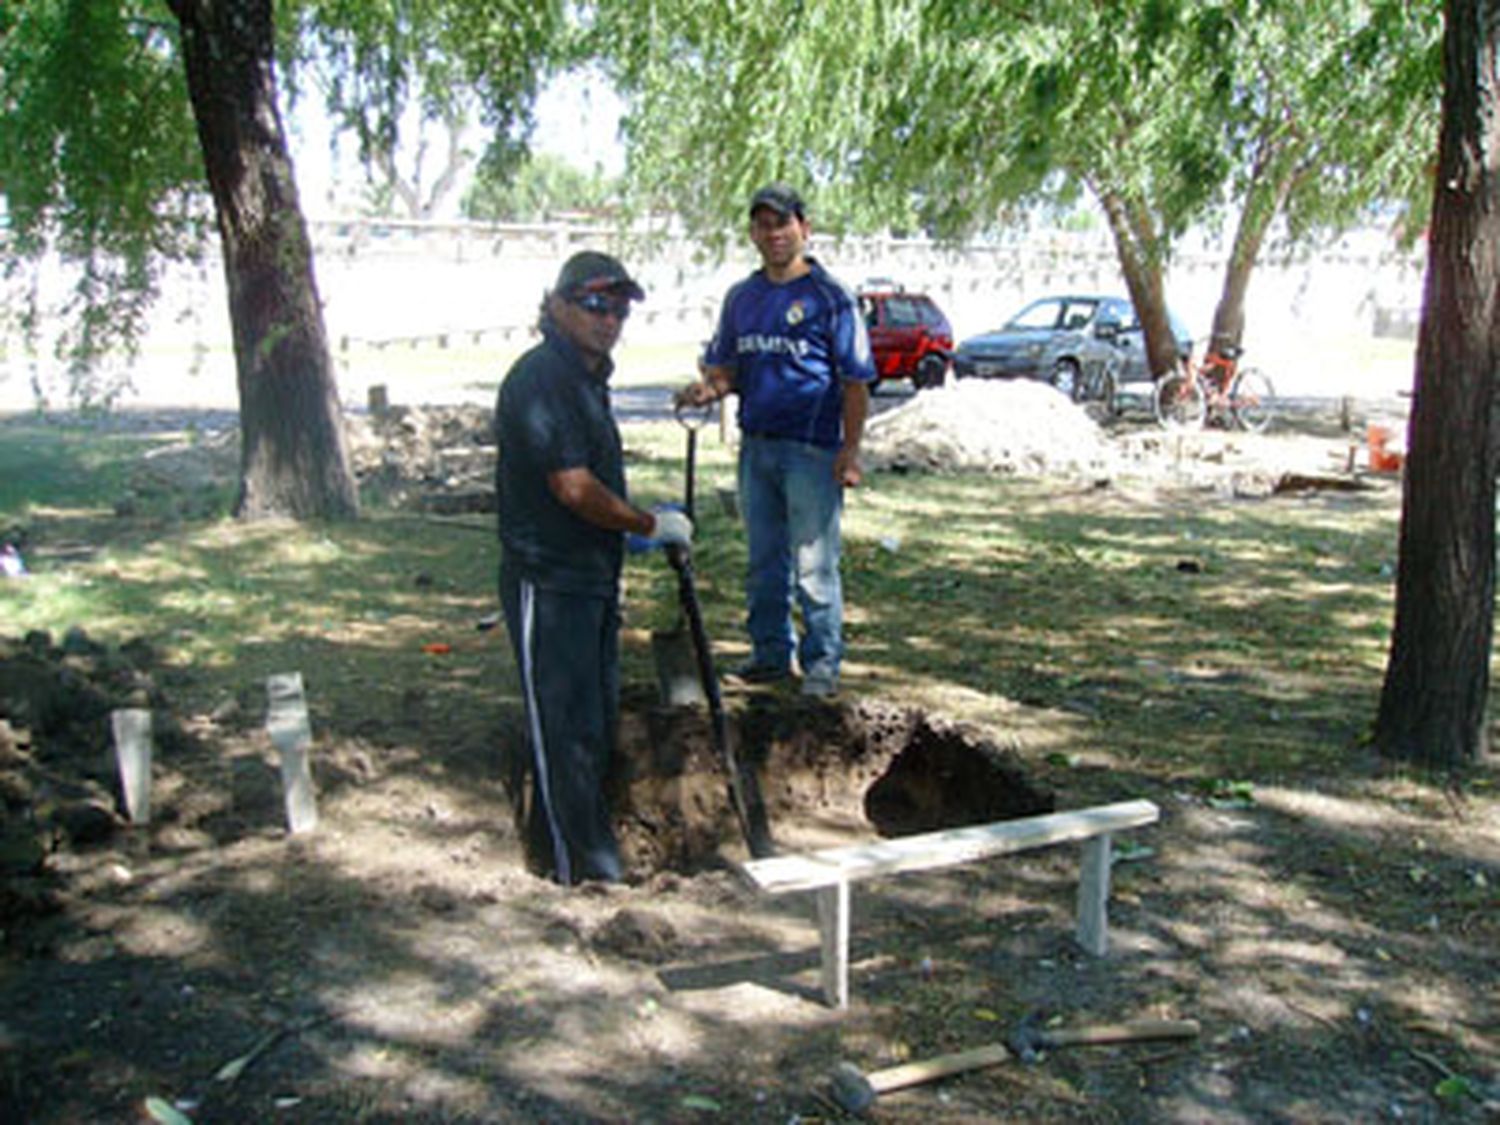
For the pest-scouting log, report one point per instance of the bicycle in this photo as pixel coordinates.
(1098, 391)
(1219, 391)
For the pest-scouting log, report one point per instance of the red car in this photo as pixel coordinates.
(909, 334)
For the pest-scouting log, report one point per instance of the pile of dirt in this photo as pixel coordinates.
(434, 458)
(441, 458)
(1004, 426)
(56, 786)
(1025, 428)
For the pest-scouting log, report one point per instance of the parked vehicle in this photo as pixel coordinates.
(909, 334)
(1072, 342)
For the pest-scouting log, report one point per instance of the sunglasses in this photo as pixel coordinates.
(602, 304)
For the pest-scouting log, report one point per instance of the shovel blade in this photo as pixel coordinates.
(677, 668)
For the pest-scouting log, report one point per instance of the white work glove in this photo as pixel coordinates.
(673, 528)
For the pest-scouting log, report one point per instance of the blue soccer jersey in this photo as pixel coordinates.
(790, 345)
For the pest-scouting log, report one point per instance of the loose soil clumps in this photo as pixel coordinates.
(829, 772)
(56, 786)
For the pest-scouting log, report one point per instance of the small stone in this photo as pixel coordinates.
(637, 936)
(87, 823)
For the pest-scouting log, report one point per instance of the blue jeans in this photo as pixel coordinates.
(791, 505)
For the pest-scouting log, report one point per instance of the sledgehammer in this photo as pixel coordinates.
(855, 1092)
(1030, 1038)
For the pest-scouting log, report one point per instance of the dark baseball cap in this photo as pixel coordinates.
(589, 271)
(780, 198)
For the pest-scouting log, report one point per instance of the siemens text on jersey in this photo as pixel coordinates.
(768, 345)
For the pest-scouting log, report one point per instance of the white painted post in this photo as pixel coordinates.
(1093, 895)
(132, 733)
(291, 733)
(833, 930)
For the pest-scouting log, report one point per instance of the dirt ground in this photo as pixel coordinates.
(1335, 938)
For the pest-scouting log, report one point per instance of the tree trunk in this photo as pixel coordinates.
(1437, 680)
(1274, 175)
(294, 460)
(1137, 246)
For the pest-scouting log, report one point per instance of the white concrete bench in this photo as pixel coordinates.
(829, 872)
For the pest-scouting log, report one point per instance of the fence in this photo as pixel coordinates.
(450, 294)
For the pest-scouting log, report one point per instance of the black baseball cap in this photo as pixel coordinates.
(780, 198)
(590, 271)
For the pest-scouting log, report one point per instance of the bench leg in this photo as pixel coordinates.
(833, 930)
(1093, 896)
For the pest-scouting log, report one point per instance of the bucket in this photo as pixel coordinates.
(1382, 458)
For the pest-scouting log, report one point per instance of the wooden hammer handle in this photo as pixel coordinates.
(914, 1074)
(1119, 1032)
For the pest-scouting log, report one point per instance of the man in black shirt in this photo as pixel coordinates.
(560, 481)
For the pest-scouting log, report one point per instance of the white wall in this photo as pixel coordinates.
(396, 292)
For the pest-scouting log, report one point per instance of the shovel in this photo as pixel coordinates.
(744, 788)
(672, 649)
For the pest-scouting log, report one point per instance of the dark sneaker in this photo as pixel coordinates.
(752, 673)
(821, 687)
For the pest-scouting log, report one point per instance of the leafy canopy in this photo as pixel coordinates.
(941, 114)
(100, 163)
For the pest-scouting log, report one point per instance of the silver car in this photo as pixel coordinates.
(1066, 341)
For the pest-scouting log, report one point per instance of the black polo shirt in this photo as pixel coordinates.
(553, 414)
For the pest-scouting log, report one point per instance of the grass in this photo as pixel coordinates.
(1219, 639)
(1227, 653)
(68, 468)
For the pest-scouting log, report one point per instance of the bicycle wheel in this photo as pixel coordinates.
(1252, 400)
(1101, 401)
(1178, 402)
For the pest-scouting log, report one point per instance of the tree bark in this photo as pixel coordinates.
(1432, 706)
(1136, 245)
(1250, 234)
(294, 458)
(1263, 203)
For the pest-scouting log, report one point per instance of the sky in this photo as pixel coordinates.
(577, 119)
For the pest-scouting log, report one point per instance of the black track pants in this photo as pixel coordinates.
(567, 651)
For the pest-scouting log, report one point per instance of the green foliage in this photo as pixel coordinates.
(1226, 794)
(1456, 1088)
(98, 163)
(99, 156)
(445, 62)
(942, 113)
(1333, 106)
(727, 95)
(540, 187)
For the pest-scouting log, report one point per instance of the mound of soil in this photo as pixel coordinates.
(1006, 426)
(56, 785)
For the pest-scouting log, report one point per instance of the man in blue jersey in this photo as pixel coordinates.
(791, 343)
(560, 483)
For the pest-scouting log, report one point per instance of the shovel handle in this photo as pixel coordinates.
(1119, 1032)
(929, 1070)
(744, 790)
(693, 417)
